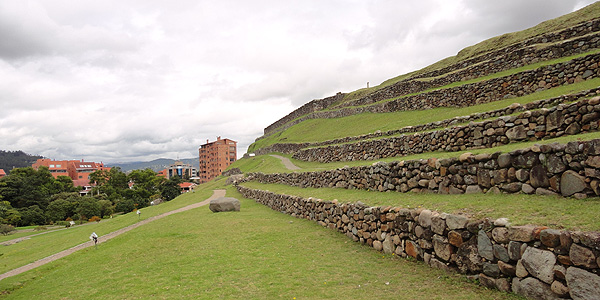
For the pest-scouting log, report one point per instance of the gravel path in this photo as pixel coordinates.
(216, 194)
(286, 162)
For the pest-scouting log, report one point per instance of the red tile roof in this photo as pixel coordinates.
(186, 184)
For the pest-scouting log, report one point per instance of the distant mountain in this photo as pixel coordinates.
(155, 165)
(16, 159)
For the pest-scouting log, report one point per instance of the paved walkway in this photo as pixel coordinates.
(216, 194)
(286, 162)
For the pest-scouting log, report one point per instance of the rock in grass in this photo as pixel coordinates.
(224, 204)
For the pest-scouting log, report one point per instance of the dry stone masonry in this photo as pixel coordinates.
(517, 58)
(574, 40)
(533, 261)
(291, 148)
(571, 169)
(515, 85)
(312, 106)
(564, 119)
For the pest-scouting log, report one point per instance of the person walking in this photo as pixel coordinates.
(94, 237)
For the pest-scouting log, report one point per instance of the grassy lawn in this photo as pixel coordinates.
(38, 247)
(254, 254)
(18, 234)
(555, 212)
(318, 130)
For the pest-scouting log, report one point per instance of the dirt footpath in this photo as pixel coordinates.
(286, 162)
(216, 194)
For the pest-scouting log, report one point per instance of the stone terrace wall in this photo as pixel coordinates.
(564, 119)
(515, 85)
(565, 169)
(533, 261)
(291, 148)
(517, 58)
(514, 53)
(312, 106)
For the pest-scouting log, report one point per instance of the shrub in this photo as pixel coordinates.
(95, 218)
(6, 229)
(40, 228)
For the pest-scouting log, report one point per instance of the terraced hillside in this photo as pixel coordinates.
(489, 160)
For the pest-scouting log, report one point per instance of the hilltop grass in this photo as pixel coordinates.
(38, 247)
(490, 76)
(590, 12)
(521, 209)
(254, 254)
(318, 130)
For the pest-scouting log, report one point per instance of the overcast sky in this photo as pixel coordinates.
(119, 81)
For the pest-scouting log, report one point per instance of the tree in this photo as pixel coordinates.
(25, 187)
(8, 214)
(145, 185)
(13, 217)
(106, 208)
(124, 205)
(87, 208)
(111, 183)
(118, 179)
(65, 184)
(99, 177)
(60, 210)
(4, 208)
(62, 206)
(170, 189)
(32, 215)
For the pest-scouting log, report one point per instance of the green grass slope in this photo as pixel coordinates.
(254, 254)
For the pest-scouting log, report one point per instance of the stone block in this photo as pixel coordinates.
(456, 221)
(550, 237)
(523, 233)
(582, 256)
(532, 288)
(571, 182)
(484, 245)
(539, 263)
(224, 204)
(582, 284)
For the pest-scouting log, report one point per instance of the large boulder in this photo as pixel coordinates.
(234, 178)
(224, 204)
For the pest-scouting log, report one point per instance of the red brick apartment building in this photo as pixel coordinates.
(215, 157)
(79, 171)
